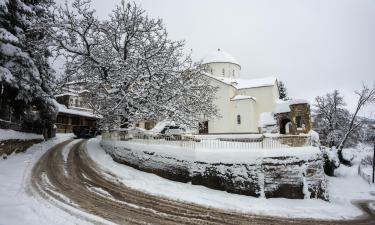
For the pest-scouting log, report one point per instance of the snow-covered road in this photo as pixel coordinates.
(81, 187)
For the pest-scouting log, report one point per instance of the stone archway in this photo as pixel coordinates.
(283, 124)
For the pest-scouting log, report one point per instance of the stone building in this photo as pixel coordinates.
(293, 117)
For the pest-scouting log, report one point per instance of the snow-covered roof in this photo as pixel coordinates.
(283, 106)
(266, 119)
(242, 97)
(219, 56)
(64, 109)
(246, 83)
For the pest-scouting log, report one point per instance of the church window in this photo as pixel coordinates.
(233, 72)
(299, 121)
(223, 71)
(238, 119)
(211, 71)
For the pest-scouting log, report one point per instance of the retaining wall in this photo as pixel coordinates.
(271, 177)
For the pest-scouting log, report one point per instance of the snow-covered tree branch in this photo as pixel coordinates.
(131, 68)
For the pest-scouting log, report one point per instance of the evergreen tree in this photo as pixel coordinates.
(25, 74)
(283, 93)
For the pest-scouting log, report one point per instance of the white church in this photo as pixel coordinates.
(250, 105)
(247, 105)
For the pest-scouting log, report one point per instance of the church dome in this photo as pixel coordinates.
(219, 56)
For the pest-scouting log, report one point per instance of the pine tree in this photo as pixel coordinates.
(25, 74)
(283, 93)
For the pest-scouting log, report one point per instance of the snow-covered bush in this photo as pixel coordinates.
(331, 160)
(314, 137)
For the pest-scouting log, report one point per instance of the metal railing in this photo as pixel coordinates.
(197, 143)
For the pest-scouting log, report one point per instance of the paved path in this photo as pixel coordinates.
(97, 192)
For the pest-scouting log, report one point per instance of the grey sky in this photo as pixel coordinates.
(313, 46)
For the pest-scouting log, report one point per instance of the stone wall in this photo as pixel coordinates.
(273, 177)
(9, 146)
(302, 110)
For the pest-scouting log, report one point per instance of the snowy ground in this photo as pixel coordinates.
(11, 134)
(342, 191)
(16, 206)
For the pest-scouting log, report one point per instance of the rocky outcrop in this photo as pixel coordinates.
(270, 177)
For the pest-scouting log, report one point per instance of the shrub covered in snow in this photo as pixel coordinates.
(331, 160)
(314, 137)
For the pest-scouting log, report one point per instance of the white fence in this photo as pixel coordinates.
(195, 142)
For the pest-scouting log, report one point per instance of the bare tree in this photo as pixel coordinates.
(365, 96)
(330, 117)
(131, 68)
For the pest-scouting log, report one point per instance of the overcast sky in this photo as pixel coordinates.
(313, 46)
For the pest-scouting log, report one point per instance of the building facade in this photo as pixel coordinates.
(249, 105)
(73, 111)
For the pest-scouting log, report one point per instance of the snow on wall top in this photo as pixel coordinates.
(242, 97)
(12, 134)
(220, 56)
(282, 106)
(266, 119)
(229, 155)
(246, 83)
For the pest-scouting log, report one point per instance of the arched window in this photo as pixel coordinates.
(223, 71)
(211, 71)
(233, 73)
(238, 119)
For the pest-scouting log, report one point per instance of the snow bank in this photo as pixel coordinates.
(296, 208)
(11, 134)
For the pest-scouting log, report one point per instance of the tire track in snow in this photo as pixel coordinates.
(78, 178)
